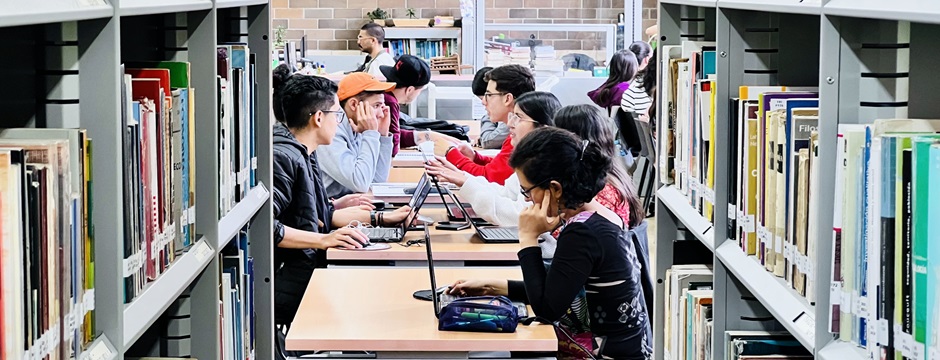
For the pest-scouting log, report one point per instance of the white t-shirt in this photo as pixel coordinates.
(373, 67)
(635, 98)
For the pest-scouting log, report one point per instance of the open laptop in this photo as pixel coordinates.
(489, 234)
(396, 234)
(440, 298)
(453, 214)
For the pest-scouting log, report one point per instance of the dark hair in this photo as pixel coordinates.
(478, 86)
(376, 31)
(590, 123)
(649, 85)
(623, 67)
(550, 153)
(279, 77)
(641, 49)
(540, 106)
(513, 78)
(304, 95)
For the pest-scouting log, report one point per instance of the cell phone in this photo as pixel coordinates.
(379, 204)
(451, 226)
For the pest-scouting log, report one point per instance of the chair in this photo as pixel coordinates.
(648, 152)
(638, 234)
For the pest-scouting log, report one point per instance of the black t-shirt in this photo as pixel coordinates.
(596, 256)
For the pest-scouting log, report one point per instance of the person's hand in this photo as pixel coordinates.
(442, 145)
(365, 118)
(363, 201)
(384, 118)
(396, 216)
(445, 171)
(535, 220)
(466, 150)
(479, 288)
(344, 238)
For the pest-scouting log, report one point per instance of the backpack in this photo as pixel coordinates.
(441, 126)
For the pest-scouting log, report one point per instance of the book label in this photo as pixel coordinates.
(933, 353)
(882, 332)
(732, 212)
(846, 303)
(918, 350)
(778, 244)
(88, 300)
(835, 293)
(806, 324)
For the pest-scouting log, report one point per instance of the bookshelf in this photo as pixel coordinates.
(869, 60)
(425, 43)
(82, 45)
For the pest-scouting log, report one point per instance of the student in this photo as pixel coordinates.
(623, 68)
(370, 40)
(492, 134)
(636, 99)
(361, 153)
(499, 204)
(594, 261)
(505, 84)
(410, 75)
(305, 223)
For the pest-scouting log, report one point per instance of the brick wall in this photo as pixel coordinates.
(334, 24)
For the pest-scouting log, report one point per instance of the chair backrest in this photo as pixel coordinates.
(646, 136)
(629, 135)
(640, 238)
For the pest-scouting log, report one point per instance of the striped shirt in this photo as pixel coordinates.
(635, 99)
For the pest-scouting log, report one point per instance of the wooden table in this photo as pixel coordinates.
(373, 310)
(451, 248)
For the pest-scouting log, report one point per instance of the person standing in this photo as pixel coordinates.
(370, 40)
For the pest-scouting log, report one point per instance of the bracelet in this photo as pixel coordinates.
(381, 219)
(372, 217)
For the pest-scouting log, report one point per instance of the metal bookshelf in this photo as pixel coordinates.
(839, 46)
(105, 34)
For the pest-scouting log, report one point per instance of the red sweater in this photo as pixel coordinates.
(495, 169)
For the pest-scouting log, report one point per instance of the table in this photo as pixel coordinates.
(451, 248)
(373, 310)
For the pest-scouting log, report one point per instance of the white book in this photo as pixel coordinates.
(873, 279)
(228, 319)
(812, 224)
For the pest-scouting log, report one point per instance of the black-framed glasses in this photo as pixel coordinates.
(487, 95)
(527, 192)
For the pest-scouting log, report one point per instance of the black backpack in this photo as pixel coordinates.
(444, 127)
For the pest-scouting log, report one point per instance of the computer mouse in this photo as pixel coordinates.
(379, 204)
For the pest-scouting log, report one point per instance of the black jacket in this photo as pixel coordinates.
(300, 202)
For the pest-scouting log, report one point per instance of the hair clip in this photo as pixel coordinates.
(584, 144)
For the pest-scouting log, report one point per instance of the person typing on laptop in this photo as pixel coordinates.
(593, 264)
(305, 222)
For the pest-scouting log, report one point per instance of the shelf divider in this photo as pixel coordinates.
(680, 207)
(790, 309)
(241, 214)
(141, 313)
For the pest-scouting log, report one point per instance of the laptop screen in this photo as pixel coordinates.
(422, 190)
(434, 297)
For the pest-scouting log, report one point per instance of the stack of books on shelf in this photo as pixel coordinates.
(237, 300)
(159, 170)
(886, 262)
(546, 63)
(496, 53)
(688, 312)
(521, 55)
(422, 48)
(690, 88)
(46, 244)
(237, 93)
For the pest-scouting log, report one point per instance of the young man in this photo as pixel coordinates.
(371, 37)
(304, 218)
(410, 75)
(361, 152)
(492, 134)
(504, 85)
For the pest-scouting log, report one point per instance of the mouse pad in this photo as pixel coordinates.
(374, 246)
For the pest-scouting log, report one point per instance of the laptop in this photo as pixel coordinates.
(489, 234)
(396, 234)
(441, 298)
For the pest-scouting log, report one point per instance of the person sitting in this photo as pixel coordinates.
(361, 153)
(505, 84)
(623, 68)
(499, 204)
(410, 75)
(492, 134)
(305, 222)
(370, 39)
(594, 263)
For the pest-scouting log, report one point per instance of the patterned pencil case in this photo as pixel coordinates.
(479, 314)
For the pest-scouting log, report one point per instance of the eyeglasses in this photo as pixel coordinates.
(514, 119)
(487, 95)
(527, 192)
(340, 115)
(360, 37)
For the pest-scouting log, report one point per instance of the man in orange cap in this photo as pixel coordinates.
(361, 152)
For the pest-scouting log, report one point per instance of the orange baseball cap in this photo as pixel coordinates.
(357, 82)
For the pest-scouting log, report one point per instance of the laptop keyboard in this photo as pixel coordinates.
(382, 234)
(499, 233)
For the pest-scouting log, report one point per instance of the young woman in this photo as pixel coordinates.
(636, 99)
(623, 68)
(595, 264)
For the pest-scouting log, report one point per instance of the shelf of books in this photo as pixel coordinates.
(425, 43)
(825, 199)
(100, 184)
